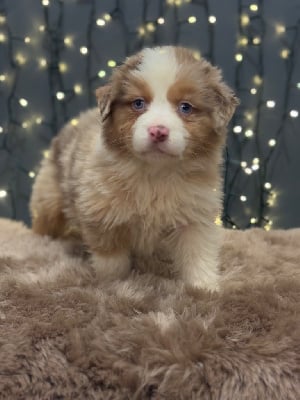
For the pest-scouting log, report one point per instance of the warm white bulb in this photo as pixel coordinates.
(68, 41)
(38, 120)
(83, 50)
(27, 39)
(101, 73)
(192, 19)
(212, 19)
(285, 53)
(107, 17)
(237, 129)
(63, 67)
(2, 77)
(253, 91)
(243, 198)
(77, 88)
(100, 22)
(243, 41)
(267, 185)
(150, 27)
(1, 129)
(255, 167)
(111, 63)
(161, 21)
(256, 40)
(280, 29)
(253, 220)
(3, 193)
(294, 113)
(272, 142)
(239, 57)
(249, 133)
(257, 80)
(253, 7)
(31, 174)
(60, 95)
(23, 102)
(270, 104)
(42, 62)
(243, 164)
(45, 3)
(2, 38)
(245, 19)
(248, 171)
(74, 121)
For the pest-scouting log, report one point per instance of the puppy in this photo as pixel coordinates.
(142, 170)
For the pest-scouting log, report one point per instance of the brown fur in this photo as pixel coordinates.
(98, 187)
(64, 334)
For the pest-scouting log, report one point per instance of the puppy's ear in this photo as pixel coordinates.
(103, 95)
(225, 105)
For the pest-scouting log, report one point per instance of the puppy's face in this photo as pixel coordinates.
(163, 104)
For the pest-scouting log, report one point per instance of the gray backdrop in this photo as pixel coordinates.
(54, 53)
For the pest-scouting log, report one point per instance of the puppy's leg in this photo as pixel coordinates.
(110, 249)
(111, 267)
(47, 202)
(196, 255)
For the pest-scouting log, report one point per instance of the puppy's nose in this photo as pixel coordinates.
(158, 133)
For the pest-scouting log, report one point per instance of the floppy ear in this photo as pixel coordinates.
(226, 103)
(103, 95)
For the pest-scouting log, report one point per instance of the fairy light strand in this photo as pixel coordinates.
(243, 175)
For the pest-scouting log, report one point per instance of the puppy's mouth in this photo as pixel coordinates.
(158, 149)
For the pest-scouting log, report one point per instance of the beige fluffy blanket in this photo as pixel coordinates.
(64, 335)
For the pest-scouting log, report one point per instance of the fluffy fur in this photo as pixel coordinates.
(66, 335)
(144, 174)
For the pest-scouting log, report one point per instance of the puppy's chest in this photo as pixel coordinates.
(150, 214)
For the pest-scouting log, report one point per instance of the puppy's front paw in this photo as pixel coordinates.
(202, 278)
(109, 268)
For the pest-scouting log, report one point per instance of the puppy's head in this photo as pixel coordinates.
(164, 104)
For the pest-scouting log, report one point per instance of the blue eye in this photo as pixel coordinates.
(138, 104)
(185, 108)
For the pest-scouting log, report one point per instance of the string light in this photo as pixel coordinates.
(285, 53)
(294, 113)
(3, 194)
(60, 95)
(23, 102)
(84, 50)
(68, 41)
(77, 88)
(192, 20)
(253, 7)
(111, 63)
(101, 73)
(249, 80)
(270, 104)
(245, 20)
(237, 129)
(267, 185)
(100, 22)
(239, 57)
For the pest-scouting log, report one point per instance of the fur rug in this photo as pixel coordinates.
(64, 335)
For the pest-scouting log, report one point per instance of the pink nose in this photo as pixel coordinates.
(158, 133)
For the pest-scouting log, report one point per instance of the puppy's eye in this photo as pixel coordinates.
(185, 108)
(139, 104)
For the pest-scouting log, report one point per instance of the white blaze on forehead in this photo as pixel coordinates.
(159, 68)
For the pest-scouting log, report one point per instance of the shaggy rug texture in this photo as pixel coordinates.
(66, 335)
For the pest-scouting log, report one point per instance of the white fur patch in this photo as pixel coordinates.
(159, 69)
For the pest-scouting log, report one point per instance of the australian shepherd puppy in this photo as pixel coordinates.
(142, 169)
